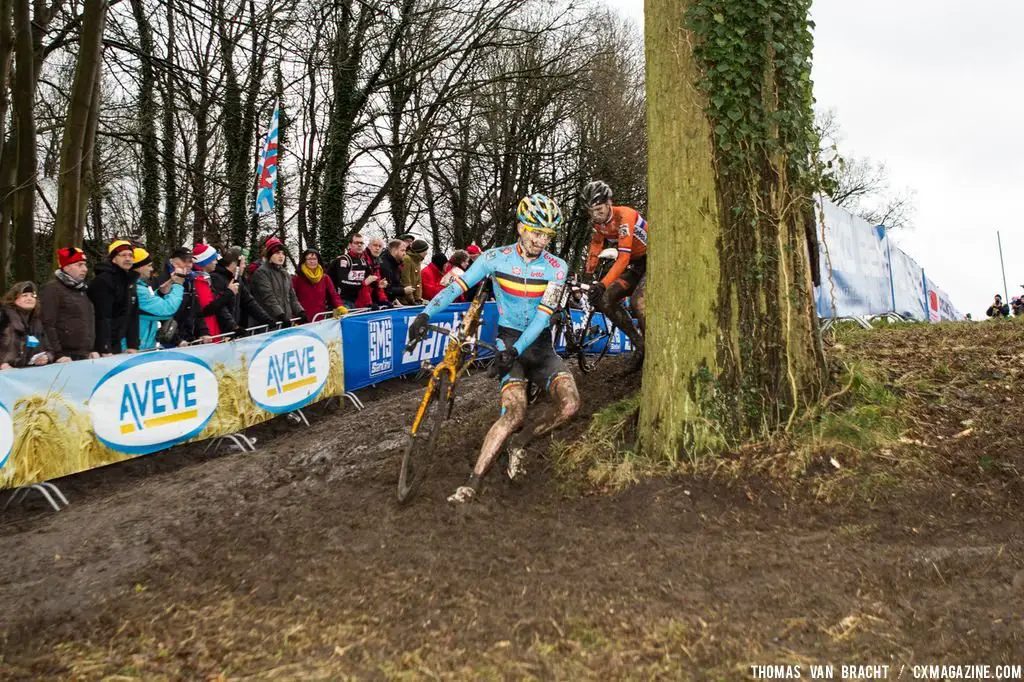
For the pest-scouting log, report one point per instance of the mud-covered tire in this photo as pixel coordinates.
(419, 451)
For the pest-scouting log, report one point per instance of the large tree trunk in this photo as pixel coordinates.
(67, 229)
(169, 157)
(149, 201)
(731, 331)
(24, 131)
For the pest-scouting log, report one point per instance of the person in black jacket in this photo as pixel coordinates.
(115, 302)
(391, 270)
(191, 325)
(234, 306)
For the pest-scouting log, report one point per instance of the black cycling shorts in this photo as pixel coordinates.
(633, 275)
(539, 363)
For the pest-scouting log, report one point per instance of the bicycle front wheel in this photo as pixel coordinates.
(419, 451)
(595, 338)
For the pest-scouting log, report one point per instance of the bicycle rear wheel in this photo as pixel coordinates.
(419, 452)
(595, 338)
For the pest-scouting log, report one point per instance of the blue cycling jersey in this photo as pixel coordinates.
(527, 291)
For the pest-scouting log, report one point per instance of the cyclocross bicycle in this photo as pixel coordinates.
(438, 400)
(588, 343)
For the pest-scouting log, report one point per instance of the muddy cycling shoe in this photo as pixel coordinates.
(516, 463)
(462, 495)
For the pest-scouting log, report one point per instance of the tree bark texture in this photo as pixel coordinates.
(729, 354)
(69, 227)
(24, 131)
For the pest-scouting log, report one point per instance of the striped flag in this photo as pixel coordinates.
(268, 169)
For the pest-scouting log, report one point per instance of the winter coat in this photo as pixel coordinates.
(233, 313)
(348, 273)
(115, 302)
(315, 298)
(371, 295)
(22, 336)
(391, 270)
(272, 288)
(154, 309)
(205, 296)
(69, 319)
(191, 324)
(411, 278)
(431, 278)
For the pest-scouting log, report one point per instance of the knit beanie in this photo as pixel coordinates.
(419, 246)
(69, 255)
(204, 254)
(272, 246)
(140, 258)
(117, 247)
(473, 250)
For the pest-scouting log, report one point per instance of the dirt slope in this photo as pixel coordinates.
(295, 563)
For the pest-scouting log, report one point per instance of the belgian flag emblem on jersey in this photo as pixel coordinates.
(523, 287)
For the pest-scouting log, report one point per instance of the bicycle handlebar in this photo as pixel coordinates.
(451, 335)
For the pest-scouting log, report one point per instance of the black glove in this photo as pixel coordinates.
(418, 329)
(596, 292)
(504, 360)
(285, 322)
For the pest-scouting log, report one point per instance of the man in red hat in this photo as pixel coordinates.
(67, 312)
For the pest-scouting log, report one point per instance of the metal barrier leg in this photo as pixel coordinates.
(298, 416)
(354, 399)
(56, 491)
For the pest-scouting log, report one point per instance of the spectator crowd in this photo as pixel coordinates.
(133, 303)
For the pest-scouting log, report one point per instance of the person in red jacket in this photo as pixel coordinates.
(204, 261)
(313, 287)
(431, 276)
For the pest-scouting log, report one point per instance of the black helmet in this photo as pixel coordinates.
(596, 192)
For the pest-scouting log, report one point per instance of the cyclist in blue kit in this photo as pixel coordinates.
(527, 283)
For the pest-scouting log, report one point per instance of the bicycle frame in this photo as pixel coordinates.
(460, 353)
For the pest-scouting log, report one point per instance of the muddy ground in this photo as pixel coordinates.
(295, 562)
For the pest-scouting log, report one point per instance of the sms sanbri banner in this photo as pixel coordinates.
(62, 419)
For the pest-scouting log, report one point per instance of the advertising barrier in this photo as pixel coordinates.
(65, 418)
(864, 274)
(375, 342)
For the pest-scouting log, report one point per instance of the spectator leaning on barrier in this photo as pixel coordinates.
(233, 305)
(391, 270)
(154, 306)
(411, 277)
(313, 288)
(189, 319)
(456, 267)
(998, 308)
(66, 309)
(432, 274)
(115, 301)
(351, 272)
(22, 335)
(204, 261)
(272, 286)
(373, 294)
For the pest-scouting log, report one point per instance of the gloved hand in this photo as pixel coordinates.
(418, 328)
(504, 360)
(285, 322)
(596, 292)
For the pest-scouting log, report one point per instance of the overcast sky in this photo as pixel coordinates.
(935, 89)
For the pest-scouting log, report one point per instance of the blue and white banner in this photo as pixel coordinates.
(854, 265)
(908, 297)
(865, 274)
(375, 342)
(619, 342)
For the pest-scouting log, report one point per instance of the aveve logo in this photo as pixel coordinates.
(6, 435)
(288, 371)
(153, 401)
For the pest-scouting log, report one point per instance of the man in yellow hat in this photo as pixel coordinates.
(115, 301)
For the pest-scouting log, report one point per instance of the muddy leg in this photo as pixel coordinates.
(611, 306)
(638, 301)
(513, 411)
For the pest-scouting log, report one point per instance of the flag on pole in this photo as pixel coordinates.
(268, 169)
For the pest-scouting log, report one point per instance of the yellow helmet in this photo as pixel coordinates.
(538, 212)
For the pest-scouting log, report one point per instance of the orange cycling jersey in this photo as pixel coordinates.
(627, 231)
